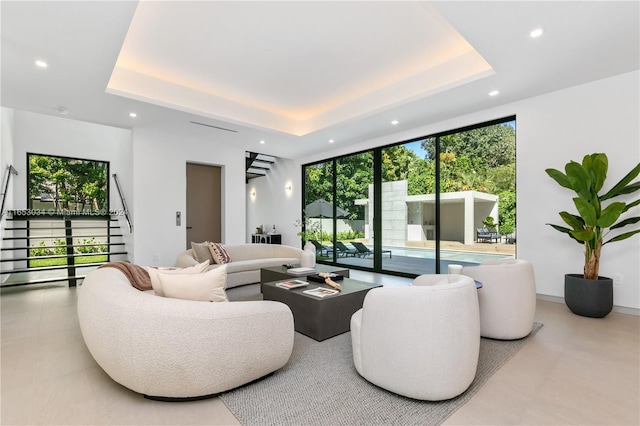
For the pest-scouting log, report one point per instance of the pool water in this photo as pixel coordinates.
(460, 256)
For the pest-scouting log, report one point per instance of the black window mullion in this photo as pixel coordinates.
(377, 210)
(437, 163)
(334, 167)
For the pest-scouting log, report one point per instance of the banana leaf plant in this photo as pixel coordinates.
(595, 221)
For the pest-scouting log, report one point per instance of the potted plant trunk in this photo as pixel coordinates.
(594, 226)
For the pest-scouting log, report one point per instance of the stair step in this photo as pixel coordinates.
(62, 256)
(121, 243)
(62, 237)
(63, 213)
(106, 229)
(26, 228)
(42, 281)
(60, 218)
(52, 268)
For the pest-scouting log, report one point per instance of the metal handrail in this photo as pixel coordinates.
(10, 171)
(124, 203)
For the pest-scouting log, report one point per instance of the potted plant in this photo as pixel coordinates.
(589, 294)
(490, 224)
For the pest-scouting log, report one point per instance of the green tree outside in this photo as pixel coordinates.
(74, 184)
(481, 159)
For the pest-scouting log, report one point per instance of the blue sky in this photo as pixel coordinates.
(417, 148)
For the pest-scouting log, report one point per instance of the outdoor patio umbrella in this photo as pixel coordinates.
(322, 208)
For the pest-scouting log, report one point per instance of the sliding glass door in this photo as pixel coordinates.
(354, 218)
(477, 193)
(318, 208)
(408, 212)
(418, 206)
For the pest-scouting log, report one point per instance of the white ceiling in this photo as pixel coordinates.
(296, 74)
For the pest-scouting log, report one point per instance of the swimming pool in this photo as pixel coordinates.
(460, 256)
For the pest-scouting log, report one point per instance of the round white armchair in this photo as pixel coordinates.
(507, 298)
(420, 341)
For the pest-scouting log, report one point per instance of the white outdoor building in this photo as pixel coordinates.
(412, 217)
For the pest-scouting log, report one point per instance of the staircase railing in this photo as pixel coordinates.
(10, 171)
(124, 203)
(60, 248)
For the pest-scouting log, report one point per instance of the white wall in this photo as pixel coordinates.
(551, 129)
(49, 135)
(6, 154)
(601, 116)
(159, 168)
(44, 134)
(6, 159)
(272, 204)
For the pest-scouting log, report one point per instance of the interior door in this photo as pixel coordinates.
(204, 203)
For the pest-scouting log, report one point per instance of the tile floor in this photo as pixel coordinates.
(574, 371)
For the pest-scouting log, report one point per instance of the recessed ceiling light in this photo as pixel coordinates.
(536, 33)
(133, 115)
(41, 64)
(395, 122)
(494, 93)
(331, 141)
(262, 142)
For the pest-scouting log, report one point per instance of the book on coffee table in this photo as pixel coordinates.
(320, 292)
(292, 284)
(300, 271)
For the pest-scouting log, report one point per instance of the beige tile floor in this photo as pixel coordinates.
(574, 371)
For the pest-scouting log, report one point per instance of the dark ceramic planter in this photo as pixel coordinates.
(589, 298)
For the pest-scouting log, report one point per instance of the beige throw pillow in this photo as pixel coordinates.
(201, 251)
(155, 281)
(206, 287)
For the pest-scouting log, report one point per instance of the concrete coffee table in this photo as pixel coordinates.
(320, 318)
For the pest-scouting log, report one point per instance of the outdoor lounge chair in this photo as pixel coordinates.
(320, 249)
(364, 251)
(344, 250)
(510, 238)
(483, 235)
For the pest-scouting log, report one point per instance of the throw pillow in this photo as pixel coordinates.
(219, 254)
(155, 281)
(201, 251)
(207, 287)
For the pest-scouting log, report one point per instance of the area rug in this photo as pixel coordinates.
(320, 386)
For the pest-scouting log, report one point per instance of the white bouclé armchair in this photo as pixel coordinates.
(420, 341)
(507, 297)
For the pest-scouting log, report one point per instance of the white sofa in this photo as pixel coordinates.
(247, 259)
(179, 349)
(420, 341)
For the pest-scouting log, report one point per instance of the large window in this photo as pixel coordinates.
(417, 206)
(318, 208)
(60, 190)
(59, 184)
(408, 209)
